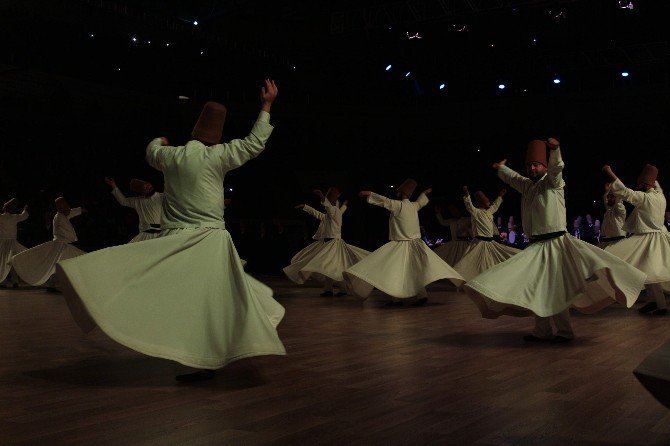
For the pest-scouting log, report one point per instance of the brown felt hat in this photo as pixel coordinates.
(209, 128)
(407, 187)
(537, 152)
(333, 194)
(10, 206)
(62, 205)
(137, 186)
(481, 199)
(648, 175)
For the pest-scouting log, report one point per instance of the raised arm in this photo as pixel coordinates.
(392, 206)
(634, 197)
(311, 211)
(422, 200)
(156, 151)
(497, 202)
(512, 178)
(23, 215)
(122, 199)
(75, 212)
(467, 200)
(555, 167)
(239, 151)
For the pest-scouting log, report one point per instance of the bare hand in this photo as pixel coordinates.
(553, 143)
(84, 210)
(499, 164)
(364, 193)
(268, 94)
(318, 193)
(110, 182)
(502, 193)
(608, 170)
(25, 208)
(164, 141)
(466, 192)
(427, 191)
(227, 201)
(300, 206)
(608, 187)
(346, 202)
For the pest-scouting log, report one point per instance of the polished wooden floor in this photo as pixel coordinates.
(354, 374)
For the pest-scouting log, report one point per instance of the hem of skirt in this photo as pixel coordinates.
(87, 322)
(480, 292)
(456, 281)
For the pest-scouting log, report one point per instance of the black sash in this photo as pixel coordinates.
(611, 239)
(548, 236)
(486, 239)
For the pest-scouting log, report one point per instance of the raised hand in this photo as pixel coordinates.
(466, 192)
(364, 193)
(499, 164)
(502, 193)
(164, 141)
(427, 191)
(553, 143)
(110, 182)
(268, 94)
(25, 208)
(608, 170)
(346, 202)
(300, 206)
(608, 187)
(318, 193)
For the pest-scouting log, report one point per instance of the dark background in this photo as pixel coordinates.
(79, 99)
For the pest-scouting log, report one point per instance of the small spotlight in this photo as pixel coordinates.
(493, 45)
(534, 40)
(391, 186)
(294, 67)
(202, 52)
(148, 42)
(195, 23)
(118, 69)
(442, 86)
(557, 81)
(501, 86)
(230, 189)
(92, 35)
(167, 44)
(408, 73)
(625, 74)
(479, 150)
(594, 201)
(134, 39)
(388, 67)
(626, 5)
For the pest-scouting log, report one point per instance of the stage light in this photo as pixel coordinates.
(195, 23)
(183, 98)
(92, 35)
(230, 189)
(534, 40)
(148, 42)
(408, 73)
(625, 74)
(118, 69)
(294, 67)
(557, 81)
(167, 44)
(415, 36)
(391, 186)
(501, 86)
(388, 67)
(626, 5)
(134, 39)
(442, 86)
(202, 52)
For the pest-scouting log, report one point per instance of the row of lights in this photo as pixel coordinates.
(501, 86)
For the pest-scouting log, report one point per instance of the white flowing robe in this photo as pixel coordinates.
(551, 275)
(9, 247)
(648, 248)
(37, 265)
(613, 221)
(405, 265)
(148, 210)
(184, 297)
(483, 254)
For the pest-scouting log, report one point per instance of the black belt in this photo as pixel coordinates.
(611, 239)
(152, 231)
(548, 236)
(463, 239)
(327, 239)
(486, 239)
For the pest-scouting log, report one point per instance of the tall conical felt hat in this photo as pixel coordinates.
(209, 128)
(407, 187)
(62, 204)
(648, 175)
(537, 152)
(333, 194)
(137, 186)
(481, 199)
(10, 206)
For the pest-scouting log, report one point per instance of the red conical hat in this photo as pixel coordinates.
(333, 194)
(648, 175)
(137, 186)
(481, 199)
(10, 206)
(62, 205)
(537, 152)
(407, 187)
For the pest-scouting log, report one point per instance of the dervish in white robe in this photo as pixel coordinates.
(556, 271)
(403, 267)
(611, 229)
(460, 229)
(648, 247)
(328, 262)
(184, 296)
(9, 246)
(483, 252)
(148, 205)
(37, 265)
